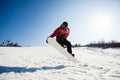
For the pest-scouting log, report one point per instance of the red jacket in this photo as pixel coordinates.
(61, 31)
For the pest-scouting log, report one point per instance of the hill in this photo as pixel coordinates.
(45, 63)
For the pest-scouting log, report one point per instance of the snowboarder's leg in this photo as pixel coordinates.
(68, 44)
(63, 42)
(69, 49)
(60, 40)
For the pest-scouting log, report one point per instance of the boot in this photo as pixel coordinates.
(73, 55)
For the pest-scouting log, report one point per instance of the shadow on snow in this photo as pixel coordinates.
(5, 69)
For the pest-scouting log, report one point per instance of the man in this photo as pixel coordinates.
(61, 34)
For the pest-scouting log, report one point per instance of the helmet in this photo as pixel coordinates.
(64, 24)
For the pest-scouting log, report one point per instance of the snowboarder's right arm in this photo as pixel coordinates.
(55, 32)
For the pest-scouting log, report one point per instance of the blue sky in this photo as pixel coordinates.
(30, 22)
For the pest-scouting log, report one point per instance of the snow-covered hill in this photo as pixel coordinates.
(46, 63)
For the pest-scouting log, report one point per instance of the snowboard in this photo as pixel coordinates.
(62, 50)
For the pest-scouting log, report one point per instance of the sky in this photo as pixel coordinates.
(30, 22)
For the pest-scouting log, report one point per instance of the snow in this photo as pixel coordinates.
(46, 63)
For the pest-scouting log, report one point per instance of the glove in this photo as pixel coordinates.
(47, 39)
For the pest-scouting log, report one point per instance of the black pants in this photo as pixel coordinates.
(63, 42)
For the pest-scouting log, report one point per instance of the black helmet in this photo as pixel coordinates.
(64, 24)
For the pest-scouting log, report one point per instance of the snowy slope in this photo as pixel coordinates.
(46, 63)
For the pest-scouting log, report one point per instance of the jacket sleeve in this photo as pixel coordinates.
(55, 32)
(67, 33)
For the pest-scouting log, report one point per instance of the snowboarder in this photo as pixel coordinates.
(61, 34)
